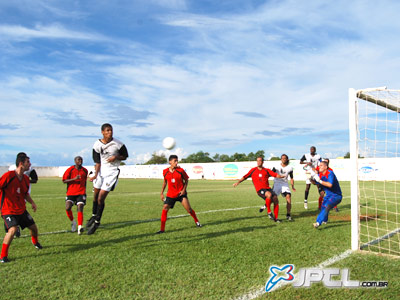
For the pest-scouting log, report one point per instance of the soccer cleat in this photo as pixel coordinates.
(262, 208)
(160, 231)
(289, 218)
(18, 233)
(38, 246)
(316, 225)
(93, 228)
(305, 204)
(4, 259)
(73, 225)
(278, 221)
(198, 224)
(80, 229)
(271, 216)
(90, 222)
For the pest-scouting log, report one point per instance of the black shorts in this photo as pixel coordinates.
(171, 201)
(261, 193)
(78, 199)
(24, 220)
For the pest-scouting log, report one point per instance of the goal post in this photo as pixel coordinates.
(374, 132)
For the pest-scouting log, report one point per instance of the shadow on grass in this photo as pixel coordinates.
(166, 237)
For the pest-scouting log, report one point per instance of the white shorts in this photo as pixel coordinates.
(106, 183)
(308, 177)
(281, 188)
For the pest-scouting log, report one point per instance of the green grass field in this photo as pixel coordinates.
(228, 257)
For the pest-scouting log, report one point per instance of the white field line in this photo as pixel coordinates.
(261, 291)
(157, 219)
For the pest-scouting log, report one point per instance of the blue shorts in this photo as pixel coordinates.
(332, 200)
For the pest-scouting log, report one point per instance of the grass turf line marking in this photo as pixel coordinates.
(157, 219)
(259, 292)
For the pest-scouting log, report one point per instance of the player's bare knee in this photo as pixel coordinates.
(34, 230)
(12, 230)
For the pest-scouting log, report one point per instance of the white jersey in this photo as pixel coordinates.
(286, 171)
(314, 160)
(105, 151)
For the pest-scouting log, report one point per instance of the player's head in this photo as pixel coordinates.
(313, 149)
(327, 160)
(107, 130)
(23, 159)
(78, 160)
(173, 160)
(285, 159)
(260, 161)
(323, 166)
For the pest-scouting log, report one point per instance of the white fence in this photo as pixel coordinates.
(376, 169)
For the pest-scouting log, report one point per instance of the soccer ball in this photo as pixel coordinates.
(169, 143)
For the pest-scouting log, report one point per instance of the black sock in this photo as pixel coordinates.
(306, 195)
(99, 213)
(94, 209)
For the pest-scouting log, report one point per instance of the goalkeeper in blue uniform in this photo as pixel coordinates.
(333, 194)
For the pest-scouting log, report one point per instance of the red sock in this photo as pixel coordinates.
(80, 218)
(320, 199)
(4, 250)
(34, 239)
(69, 214)
(163, 219)
(276, 210)
(268, 204)
(193, 214)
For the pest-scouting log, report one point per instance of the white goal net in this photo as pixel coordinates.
(375, 154)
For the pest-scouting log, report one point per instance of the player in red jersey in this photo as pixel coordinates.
(320, 189)
(14, 187)
(75, 177)
(177, 181)
(260, 176)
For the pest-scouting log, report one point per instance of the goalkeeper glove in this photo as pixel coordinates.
(316, 178)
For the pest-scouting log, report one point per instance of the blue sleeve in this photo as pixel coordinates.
(331, 178)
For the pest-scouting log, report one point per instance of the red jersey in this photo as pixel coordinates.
(76, 187)
(260, 177)
(176, 181)
(13, 192)
(317, 169)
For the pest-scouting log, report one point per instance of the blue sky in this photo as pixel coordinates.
(219, 76)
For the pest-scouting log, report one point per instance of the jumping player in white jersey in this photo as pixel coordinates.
(281, 185)
(311, 161)
(108, 153)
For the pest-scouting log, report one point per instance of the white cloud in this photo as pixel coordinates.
(53, 31)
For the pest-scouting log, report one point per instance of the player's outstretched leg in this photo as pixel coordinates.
(164, 214)
(186, 205)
